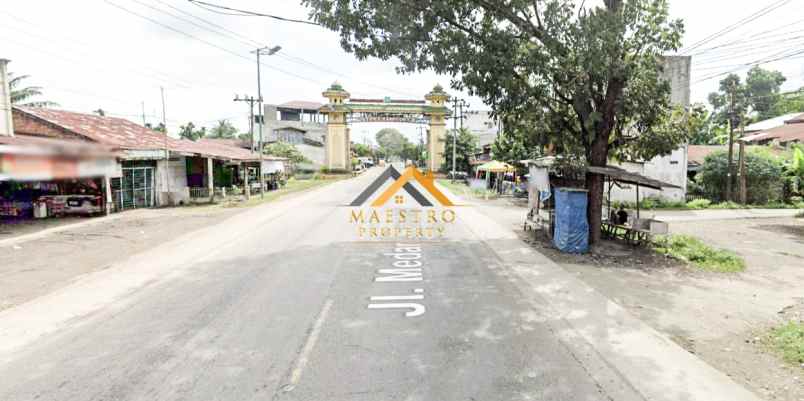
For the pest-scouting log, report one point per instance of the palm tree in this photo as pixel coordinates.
(21, 96)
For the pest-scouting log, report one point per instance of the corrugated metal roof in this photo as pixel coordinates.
(773, 122)
(300, 105)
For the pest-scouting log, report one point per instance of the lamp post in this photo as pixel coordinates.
(267, 52)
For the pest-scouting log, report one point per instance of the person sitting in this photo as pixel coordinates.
(622, 216)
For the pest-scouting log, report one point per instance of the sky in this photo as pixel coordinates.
(117, 55)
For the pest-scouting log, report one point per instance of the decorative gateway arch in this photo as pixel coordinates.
(342, 110)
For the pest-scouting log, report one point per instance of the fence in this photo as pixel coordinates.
(199, 192)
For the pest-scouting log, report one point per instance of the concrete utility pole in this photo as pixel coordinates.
(743, 178)
(167, 152)
(730, 173)
(250, 100)
(454, 133)
(268, 52)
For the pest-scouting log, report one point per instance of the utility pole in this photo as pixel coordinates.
(730, 173)
(167, 153)
(268, 52)
(454, 133)
(743, 178)
(144, 123)
(250, 100)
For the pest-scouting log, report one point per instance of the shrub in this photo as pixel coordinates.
(762, 175)
(699, 204)
(702, 256)
(788, 341)
(727, 205)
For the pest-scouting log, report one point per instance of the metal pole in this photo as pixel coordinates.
(454, 135)
(260, 113)
(167, 156)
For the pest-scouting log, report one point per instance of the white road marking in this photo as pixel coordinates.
(301, 362)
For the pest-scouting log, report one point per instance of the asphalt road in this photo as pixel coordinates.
(275, 305)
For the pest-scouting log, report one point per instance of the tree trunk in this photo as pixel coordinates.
(594, 183)
(598, 157)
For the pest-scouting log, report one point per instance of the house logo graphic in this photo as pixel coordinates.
(403, 181)
(405, 205)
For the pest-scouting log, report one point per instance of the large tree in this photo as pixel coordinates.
(763, 87)
(591, 74)
(23, 95)
(392, 141)
(465, 148)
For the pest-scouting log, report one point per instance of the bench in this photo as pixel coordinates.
(640, 232)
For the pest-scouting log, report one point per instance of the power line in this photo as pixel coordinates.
(252, 13)
(774, 57)
(752, 38)
(736, 25)
(208, 43)
(251, 42)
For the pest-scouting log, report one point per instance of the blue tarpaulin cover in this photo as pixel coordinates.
(571, 226)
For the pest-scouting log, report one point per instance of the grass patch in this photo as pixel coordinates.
(788, 341)
(702, 256)
(461, 189)
(292, 186)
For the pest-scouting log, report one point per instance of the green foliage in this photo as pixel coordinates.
(661, 203)
(791, 102)
(699, 204)
(728, 205)
(730, 103)
(702, 256)
(762, 87)
(465, 148)
(189, 131)
(362, 150)
(224, 129)
(287, 150)
(701, 132)
(515, 145)
(585, 79)
(788, 341)
(158, 128)
(760, 94)
(763, 172)
(22, 95)
(391, 141)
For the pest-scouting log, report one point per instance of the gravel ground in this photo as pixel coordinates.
(722, 318)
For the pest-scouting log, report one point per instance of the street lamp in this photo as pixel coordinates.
(263, 51)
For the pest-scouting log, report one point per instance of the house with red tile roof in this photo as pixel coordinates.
(152, 167)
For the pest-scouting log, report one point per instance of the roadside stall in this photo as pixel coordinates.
(494, 174)
(624, 224)
(549, 175)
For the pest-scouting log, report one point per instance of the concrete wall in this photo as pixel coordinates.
(176, 175)
(672, 168)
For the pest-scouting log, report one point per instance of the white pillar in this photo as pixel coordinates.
(210, 179)
(107, 184)
(6, 122)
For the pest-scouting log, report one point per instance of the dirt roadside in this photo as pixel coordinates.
(36, 267)
(722, 318)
